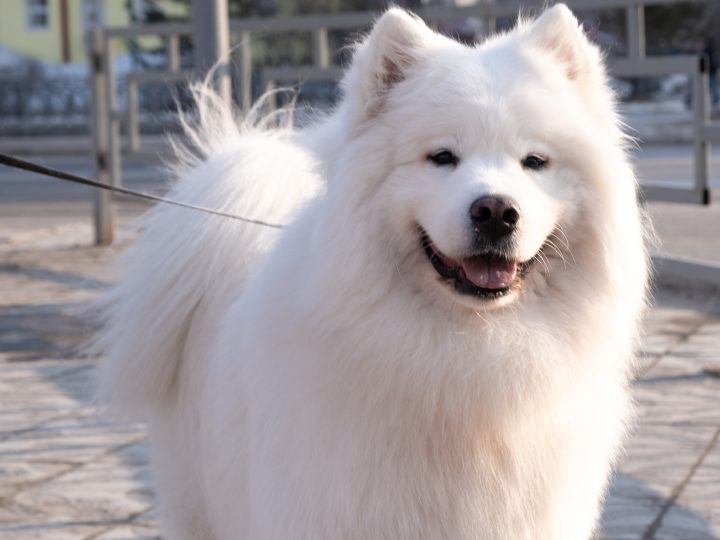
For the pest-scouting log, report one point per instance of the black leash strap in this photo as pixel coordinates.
(16, 163)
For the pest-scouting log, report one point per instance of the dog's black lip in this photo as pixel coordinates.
(464, 286)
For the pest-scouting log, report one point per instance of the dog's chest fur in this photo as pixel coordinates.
(415, 458)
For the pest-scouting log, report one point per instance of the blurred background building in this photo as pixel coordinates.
(44, 64)
(53, 30)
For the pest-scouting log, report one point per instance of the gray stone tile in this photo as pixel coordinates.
(68, 472)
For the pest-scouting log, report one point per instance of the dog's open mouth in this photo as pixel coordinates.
(486, 275)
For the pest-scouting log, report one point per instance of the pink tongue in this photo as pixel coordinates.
(489, 274)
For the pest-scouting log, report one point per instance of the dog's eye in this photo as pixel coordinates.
(444, 158)
(534, 162)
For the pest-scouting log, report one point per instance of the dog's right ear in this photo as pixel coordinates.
(384, 59)
(558, 32)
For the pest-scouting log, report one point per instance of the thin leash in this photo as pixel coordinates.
(17, 163)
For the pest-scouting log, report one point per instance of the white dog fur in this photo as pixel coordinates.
(322, 381)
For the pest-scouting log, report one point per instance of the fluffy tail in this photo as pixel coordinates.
(185, 260)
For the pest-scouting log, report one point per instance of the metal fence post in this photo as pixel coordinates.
(172, 43)
(489, 20)
(104, 215)
(321, 48)
(701, 116)
(114, 115)
(243, 66)
(133, 117)
(211, 39)
(635, 23)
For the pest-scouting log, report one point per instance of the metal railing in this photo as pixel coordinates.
(704, 132)
(107, 117)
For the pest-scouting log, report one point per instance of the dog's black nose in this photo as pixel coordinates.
(494, 217)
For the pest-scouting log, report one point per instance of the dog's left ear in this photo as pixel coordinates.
(558, 31)
(385, 58)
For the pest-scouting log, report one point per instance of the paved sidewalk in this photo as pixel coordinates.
(68, 473)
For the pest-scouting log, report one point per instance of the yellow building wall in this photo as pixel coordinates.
(115, 14)
(14, 33)
(46, 44)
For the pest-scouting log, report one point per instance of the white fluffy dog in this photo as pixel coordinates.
(437, 345)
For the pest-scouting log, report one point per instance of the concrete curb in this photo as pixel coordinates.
(686, 273)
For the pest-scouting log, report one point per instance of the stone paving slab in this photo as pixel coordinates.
(67, 472)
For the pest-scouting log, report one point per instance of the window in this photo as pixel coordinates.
(37, 16)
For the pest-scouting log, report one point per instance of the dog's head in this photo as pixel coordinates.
(486, 161)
